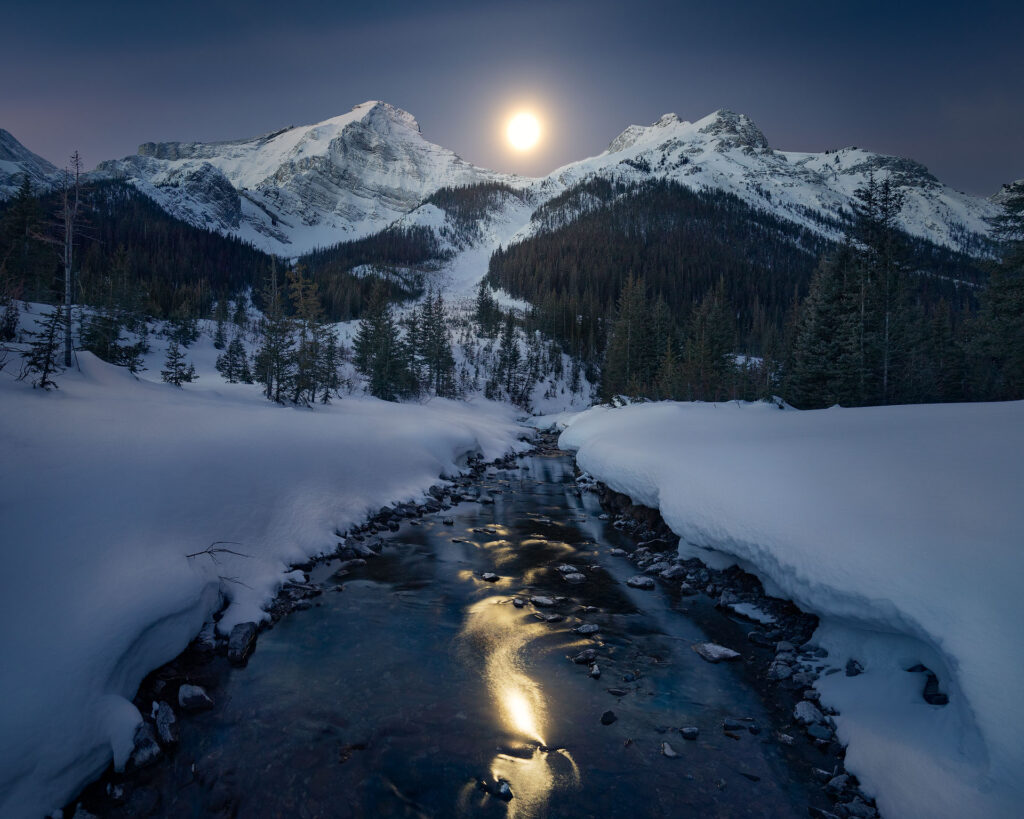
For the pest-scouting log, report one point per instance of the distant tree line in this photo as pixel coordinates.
(687, 295)
(163, 266)
(869, 334)
(349, 273)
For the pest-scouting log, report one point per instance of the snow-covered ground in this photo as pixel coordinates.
(109, 482)
(902, 527)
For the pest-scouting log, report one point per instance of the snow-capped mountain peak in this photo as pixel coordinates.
(726, 151)
(301, 187)
(732, 129)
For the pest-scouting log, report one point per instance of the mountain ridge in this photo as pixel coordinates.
(295, 189)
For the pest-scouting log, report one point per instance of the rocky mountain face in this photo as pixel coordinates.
(16, 161)
(300, 188)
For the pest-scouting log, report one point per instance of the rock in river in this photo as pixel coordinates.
(146, 750)
(585, 657)
(669, 751)
(241, 642)
(194, 698)
(166, 724)
(608, 717)
(542, 602)
(641, 582)
(714, 653)
(490, 577)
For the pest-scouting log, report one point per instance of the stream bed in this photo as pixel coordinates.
(420, 687)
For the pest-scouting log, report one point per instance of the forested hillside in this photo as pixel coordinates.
(126, 249)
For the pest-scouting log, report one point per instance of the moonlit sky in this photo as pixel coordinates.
(940, 82)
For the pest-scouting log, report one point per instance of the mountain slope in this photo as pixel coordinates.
(293, 190)
(16, 160)
(728, 152)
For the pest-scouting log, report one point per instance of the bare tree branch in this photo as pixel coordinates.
(215, 549)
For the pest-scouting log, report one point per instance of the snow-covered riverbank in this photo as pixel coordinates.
(901, 527)
(107, 485)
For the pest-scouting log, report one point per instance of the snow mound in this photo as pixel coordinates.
(902, 528)
(109, 482)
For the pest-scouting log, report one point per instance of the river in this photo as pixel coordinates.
(400, 694)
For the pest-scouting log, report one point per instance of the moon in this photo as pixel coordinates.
(523, 131)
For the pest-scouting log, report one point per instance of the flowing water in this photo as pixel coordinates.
(398, 695)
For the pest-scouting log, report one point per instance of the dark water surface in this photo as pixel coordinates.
(394, 697)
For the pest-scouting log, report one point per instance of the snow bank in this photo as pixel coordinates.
(903, 527)
(106, 485)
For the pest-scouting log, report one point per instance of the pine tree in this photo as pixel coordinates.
(507, 373)
(273, 363)
(131, 356)
(627, 345)
(414, 344)
(877, 207)
(177, 370)
(436, 347)
(822, 365)
(379, 353)
(309, 334)
(220, 316)
(183, 328)
(997, 348)
(669, 382)
(487, 313)
(327, 364)
(101, 335)
(240, 315)
(710, 334)
(233, 363)
(9, 293)
(18, 225)
(42, 359)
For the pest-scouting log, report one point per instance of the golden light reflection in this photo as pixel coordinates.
(502, 633)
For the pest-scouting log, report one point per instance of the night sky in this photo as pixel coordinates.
(940, 82)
